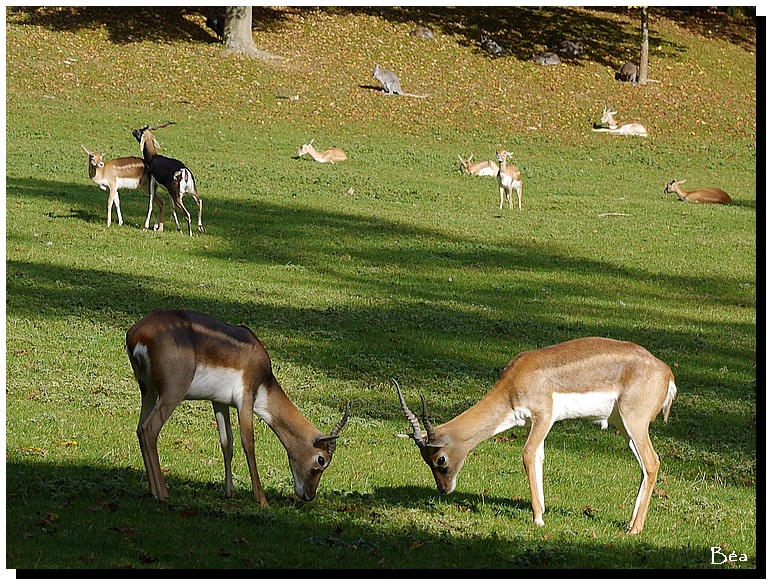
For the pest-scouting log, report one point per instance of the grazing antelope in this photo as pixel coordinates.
(614, 127)
(184, 355)
(175, 177)
(709, 195)
(600, 379)
(120, 173)
(508, 178)
(331, 155)
(486, 168)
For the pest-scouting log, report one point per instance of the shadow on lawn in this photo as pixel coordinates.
(95, 518)
(521, 30)
(371, 343)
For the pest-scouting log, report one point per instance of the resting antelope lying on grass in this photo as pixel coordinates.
(709, 195)
(614, 127)
(486, 168)
(331, 155)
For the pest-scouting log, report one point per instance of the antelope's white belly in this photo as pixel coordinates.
(217, 384)
(596, 406)
(126, 183)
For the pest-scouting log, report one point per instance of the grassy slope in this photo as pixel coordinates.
(415, 275)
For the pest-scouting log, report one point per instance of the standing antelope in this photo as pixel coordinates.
(184, 355)
(331, 155)
(709, 195)
(120, 173)
(600, 379)
(614, 127)
(486, 168)
(508, 178)
(175, 177)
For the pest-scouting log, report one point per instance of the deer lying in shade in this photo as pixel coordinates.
(709, 195)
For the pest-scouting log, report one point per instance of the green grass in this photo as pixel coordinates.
(415, 275)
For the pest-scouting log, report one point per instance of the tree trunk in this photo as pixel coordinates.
(643, 72)
(237, 33)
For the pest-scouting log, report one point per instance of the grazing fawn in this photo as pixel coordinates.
(185, 355)
(604, 380)
(709, 195)
(508, 178)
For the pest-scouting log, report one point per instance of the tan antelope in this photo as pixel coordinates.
(600, 379)
(170, 173)
(508, 178)
(614, 127)
(709, 195)
(331, 155)
(120, 173)
(486, 168)
(185, 355)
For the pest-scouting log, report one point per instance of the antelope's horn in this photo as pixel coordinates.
(339, 427)
(427, 425)
(412, 419)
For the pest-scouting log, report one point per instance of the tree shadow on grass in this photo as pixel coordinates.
(132, 24)
(85, 517)
(369, 344)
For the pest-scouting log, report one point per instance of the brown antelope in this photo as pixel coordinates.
(120, 173)
(709, 195)
(508, 178)
(331, 155)
(600, 379)
(614, 127)
(486, 168)
(172, 174)
(184, 355)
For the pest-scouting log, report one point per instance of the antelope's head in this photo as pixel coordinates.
(305, 148)
(465, 164)
(95, 159)
(608, 116)
(309, 462)
(502, 155)
(145, 138)
(437, 448)
(672, 186)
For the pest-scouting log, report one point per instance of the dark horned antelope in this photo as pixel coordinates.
(600, 379)
(119, 173)
(172, 174)
(709, 195)
(185, 355)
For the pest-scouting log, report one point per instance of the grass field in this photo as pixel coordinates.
(389, 265)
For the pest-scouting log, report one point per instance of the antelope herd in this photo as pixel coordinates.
(181, 355)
